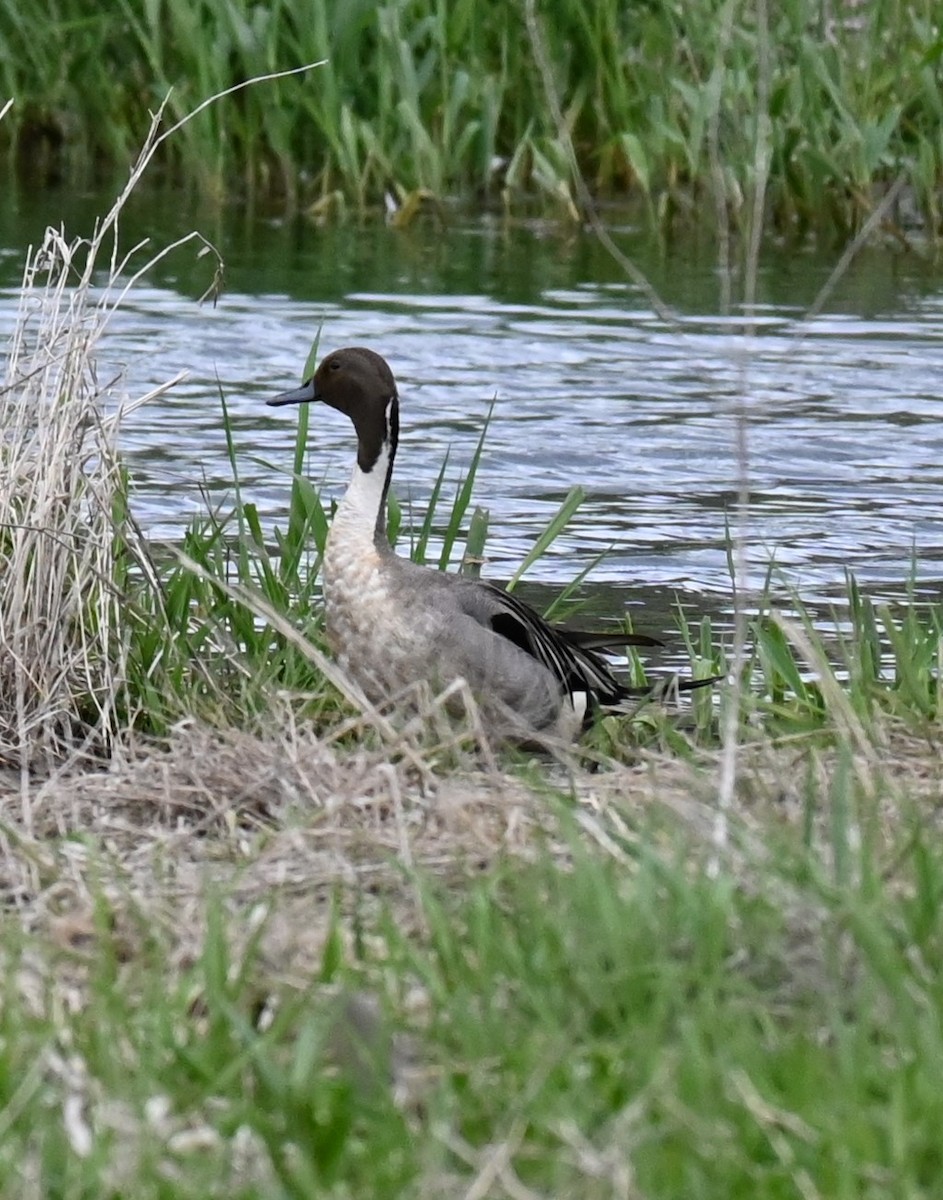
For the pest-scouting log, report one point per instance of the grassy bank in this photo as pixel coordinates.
(263, 943)
(678, 107)
(306, 986)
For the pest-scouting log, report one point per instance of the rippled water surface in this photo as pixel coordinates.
(845, 416)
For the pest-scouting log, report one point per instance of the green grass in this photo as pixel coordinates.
(773, 1032)
(264, 953)
(427, 97)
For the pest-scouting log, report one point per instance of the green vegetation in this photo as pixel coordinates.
(259, 955)
(262, 945)
(666, 103)
(774, 1032)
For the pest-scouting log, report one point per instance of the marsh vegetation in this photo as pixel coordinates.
(262, 943)
(664, 104)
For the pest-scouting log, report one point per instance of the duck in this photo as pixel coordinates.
(393, 624)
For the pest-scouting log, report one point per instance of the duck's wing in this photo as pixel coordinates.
(580, 671)
(572, 656)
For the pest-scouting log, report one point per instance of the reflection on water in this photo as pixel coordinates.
(845, 420)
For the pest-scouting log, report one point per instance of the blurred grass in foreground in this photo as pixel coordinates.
(602, 1011)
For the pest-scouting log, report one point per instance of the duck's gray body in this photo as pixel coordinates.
(392, 623)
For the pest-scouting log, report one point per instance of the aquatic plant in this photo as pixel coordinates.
(661, 103)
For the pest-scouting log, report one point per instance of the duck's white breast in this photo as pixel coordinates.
(369, 634)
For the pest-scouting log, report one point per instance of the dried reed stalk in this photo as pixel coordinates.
(65, 538)
(61, 657)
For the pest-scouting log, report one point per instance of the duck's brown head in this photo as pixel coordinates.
(359, 383)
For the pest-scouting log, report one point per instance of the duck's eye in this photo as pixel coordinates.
(334, 364)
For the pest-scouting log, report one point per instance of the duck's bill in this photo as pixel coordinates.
(303, 395)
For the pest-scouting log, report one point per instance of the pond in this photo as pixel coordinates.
(590, 388)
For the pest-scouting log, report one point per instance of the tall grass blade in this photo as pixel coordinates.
(425, 530)
(464, 495)
(573, 499)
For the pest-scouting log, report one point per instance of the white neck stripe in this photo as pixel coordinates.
(362, 502)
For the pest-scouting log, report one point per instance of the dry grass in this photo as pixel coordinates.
(67, 543)
(292, 817)
(297, 823)
(58, 605)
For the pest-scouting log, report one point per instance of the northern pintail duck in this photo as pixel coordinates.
(392, 623)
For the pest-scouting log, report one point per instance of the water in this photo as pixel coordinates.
(590, 388)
